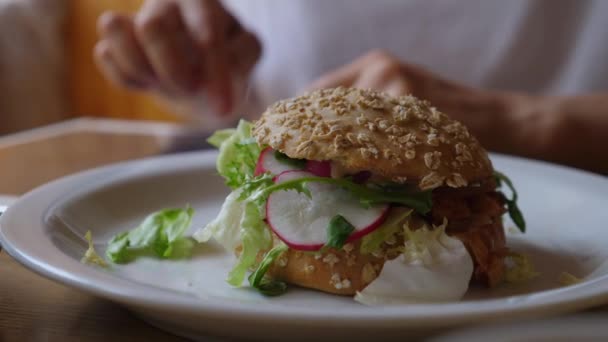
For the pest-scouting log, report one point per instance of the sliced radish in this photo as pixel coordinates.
(301, 222)
(267, 162)
(319, 168)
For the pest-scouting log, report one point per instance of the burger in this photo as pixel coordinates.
(357, 193)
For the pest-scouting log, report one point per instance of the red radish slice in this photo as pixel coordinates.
(319, 168)
(302, 222)
(267, 162)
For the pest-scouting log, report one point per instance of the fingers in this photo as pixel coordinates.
(211, 26)
(178, 48)
(244, 51)
(168, 46)
(382, 72)
(126, 53)
(208, 22)
(349, 74)
(109, 66)
(376, 70)
(344, 76)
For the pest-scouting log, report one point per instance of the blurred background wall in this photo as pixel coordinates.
(47, 72)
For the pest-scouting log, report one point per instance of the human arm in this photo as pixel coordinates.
(565, 129)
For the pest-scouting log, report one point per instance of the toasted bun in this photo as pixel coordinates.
(342, 272)
(402, 139)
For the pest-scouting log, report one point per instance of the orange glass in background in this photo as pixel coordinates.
(90, 94)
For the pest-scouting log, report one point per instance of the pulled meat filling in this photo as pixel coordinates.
(474, 217)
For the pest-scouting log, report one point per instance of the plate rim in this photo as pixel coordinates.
(579, 296)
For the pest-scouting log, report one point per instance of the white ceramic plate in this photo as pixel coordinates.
(567, 213)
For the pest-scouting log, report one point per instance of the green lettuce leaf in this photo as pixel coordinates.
(255, 236)
(238, 154)
(160, 233)
(258, 279)
(218, 137)
(240, 223)
(225, 228)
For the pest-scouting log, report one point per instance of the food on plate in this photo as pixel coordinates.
(90, 255)
(161, 234)
(354, 192)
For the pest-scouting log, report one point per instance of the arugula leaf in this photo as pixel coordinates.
(516, 215)
(238, 154)
(271, 288)
(512, 208)
(421, 202)
(255, 184)
(161, 233)
(283, 158)
(500, 178)
(258, 279)
(338, 231)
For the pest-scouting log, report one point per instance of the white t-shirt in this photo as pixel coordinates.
(535, 46)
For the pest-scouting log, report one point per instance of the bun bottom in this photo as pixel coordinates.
(346, 271)
(342, 272)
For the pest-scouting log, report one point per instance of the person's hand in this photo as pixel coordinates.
(177, 48)
(490, 115)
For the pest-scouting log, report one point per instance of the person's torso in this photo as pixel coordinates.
(536, 46)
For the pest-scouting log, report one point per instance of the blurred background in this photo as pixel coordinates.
(47, 72)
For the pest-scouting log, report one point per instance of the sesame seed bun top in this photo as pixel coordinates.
(402, 139)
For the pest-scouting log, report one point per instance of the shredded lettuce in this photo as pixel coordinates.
(255, 236)
(519, 268)
(90, 256)
(258, 279)
(225, 228)
(160, 233)
(391, 226)
(238, 154)
(239, 223)
(219, 136)
(434, 267)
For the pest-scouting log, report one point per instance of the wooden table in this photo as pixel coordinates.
(33, 308)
